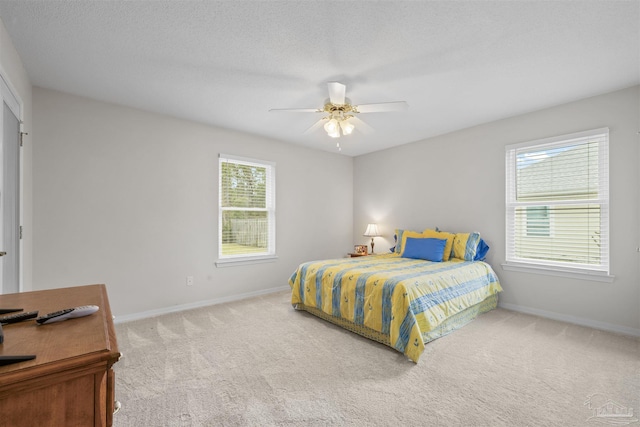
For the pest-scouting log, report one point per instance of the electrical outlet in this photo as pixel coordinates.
(189, 280)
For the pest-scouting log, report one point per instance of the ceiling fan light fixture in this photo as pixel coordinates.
(347, 127)
(331, 126)
(342, 116)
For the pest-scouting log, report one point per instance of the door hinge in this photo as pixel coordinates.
(20, 233)
(22, 134)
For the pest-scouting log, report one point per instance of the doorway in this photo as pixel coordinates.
(10, 232)
(10, 202)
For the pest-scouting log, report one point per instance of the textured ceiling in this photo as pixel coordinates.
(226, 63)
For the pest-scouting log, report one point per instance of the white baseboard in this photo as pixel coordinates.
(190, 306)
(624, 330)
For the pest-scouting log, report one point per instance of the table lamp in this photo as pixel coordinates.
(372, 231)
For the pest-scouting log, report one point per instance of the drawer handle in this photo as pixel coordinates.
(116, 407)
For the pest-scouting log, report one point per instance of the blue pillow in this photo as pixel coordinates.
(481, 252)
(429, 249)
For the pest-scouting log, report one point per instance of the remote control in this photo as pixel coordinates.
(9, 310)
(5, 360)
(18, 317)
(67, 313)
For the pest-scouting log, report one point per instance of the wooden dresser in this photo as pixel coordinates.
(70, 383)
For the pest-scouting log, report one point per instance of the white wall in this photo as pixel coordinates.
(129, 198)
(457, 182)
(13, 70)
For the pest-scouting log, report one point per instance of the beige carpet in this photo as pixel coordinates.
(258, 362)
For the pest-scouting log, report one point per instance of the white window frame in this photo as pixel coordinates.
(270, 208)
(582, 271)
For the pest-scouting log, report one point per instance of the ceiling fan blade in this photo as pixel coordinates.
(315, 126)
(337, 92)
(382, 106)
(297, 110)
(361, 126)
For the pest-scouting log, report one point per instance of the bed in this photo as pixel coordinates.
(398, 301)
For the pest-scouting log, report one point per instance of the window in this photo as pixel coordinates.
(557, 202)
(247, 212)
(537, 220)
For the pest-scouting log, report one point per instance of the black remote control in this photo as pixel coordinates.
(49, 316)
(9, 310)
(68, 313)
(5, 360)
(18, 317)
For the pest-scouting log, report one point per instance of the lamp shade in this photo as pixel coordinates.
(331, 126)
(347, 127)
(372, 230)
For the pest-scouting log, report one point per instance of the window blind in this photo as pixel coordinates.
(246, 207)
(557, 202)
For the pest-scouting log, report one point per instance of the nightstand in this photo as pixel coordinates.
(352, 255)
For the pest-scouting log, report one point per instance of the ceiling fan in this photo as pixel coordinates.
(341, 115)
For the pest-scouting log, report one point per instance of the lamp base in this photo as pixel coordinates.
(372, 245)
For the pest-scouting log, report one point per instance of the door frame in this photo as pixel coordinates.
(9, 95)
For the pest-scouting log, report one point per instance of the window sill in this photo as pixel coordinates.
(233, 262)
(552, 271)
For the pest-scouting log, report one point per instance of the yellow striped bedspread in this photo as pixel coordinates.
(400, 298)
